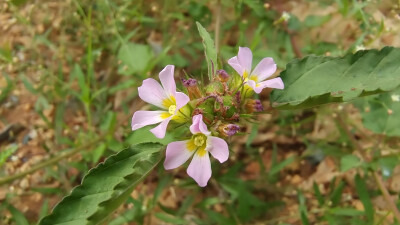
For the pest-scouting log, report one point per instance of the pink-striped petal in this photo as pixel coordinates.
(152, 92)
(264, 69)
(245, 58)
(218, 148)
(181, 100)
(200, 169)
(159, 131)
(235, 65)
(198, 125)
(176, 154)
(144, 118)
(168, 81)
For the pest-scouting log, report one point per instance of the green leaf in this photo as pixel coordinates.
(135, 58)
(209, 50)
(362, 192)
(345, 212)
(381, 113)
(316, 80)
(17, 216)
(170, 219)
(106, 187)
(348, 162)
(7, 152)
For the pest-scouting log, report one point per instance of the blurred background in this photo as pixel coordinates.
(68, 89)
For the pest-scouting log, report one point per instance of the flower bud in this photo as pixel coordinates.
(193, 89)
(254, 105)
(228, 130)
(223, 76)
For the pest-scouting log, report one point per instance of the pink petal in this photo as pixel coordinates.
(176, 154)
(168, 81)
(264, 69)
(253, 85)
(144, 118)
(200, 169)
(159, 131)
(198, 125)
(218, 148)
(181, 100)
(152, 92)
(235, 64)
(273, 83)
(245, 58)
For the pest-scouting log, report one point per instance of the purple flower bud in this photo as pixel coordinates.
(228, 129)
(223, 75)
(258, 106)
(189, 82)
(193, 89)
(254, 105)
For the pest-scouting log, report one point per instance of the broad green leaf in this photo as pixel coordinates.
(349, 162)
(316, 80)
(106, 187)
(362, 192)
(135, 58)
(209, 50)
(381, 113)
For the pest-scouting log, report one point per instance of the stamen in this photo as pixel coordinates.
(199, 141)
(172, 109)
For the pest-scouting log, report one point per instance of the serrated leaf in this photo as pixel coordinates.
(209, 50)
(105, 187)
(316, 80)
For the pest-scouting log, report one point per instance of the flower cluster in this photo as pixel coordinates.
(211, 112)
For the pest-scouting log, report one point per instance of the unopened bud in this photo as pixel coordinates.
(223, 76)
(228, 129)
(193, 89)
(189, 82)
(254, 105)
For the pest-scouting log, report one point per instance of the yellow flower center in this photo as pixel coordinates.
(199, 140)
(172, 109)
(246, 77)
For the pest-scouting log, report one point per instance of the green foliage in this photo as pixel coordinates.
(380, 113)
(7, 152)
(17, 215)
(135, 58)
(316, 80)
(209, 50)
(105, 187)
(348, 162)
(362, 191)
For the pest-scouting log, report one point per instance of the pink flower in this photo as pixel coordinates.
(255, 79)
(199, 145)
(165, 97)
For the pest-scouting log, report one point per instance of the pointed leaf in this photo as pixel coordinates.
(316, 80)
(209, 50)
(106, 187)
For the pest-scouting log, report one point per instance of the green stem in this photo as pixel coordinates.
(47, 163)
